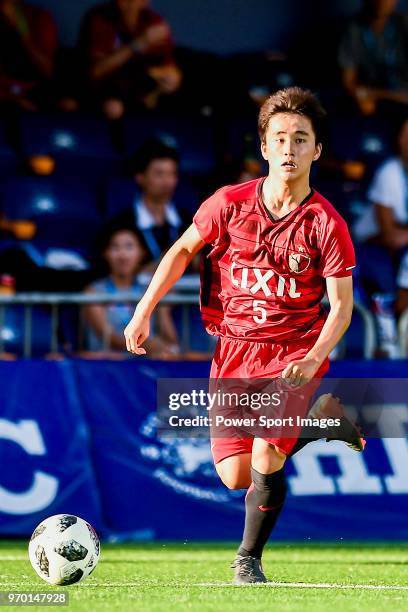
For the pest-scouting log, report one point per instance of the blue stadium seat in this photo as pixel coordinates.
(66, 213)
(193, 137)
(348, 197)
(8, 157)
(78, 144)
(239, 127)
(12, 331)
(367, 139)
(354, 339)
(120, 194)
(240, 133)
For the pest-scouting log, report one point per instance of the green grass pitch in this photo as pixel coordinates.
(173, 577)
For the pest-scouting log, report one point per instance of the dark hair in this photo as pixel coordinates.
(108, 232)
(293, 100)
(149, 150)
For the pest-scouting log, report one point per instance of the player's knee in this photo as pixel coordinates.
(234, 479)
(235, 483)
(267, 459)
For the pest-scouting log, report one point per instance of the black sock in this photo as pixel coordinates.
(263, 504)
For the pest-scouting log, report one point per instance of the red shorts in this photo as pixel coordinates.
(242, 359)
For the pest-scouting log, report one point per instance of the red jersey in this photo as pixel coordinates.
(264, 279)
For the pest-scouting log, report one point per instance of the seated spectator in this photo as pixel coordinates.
(124, 252)
(155, 170)
(383, 230)
(373, 56)
(28, 44)
(129, 52)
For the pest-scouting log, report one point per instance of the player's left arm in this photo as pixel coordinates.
(340, 294)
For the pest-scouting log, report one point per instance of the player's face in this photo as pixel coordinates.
(403, 141)
(160, 179)
(124, 254)
(290, 146)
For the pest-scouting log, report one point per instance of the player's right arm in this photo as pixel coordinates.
(170, 269)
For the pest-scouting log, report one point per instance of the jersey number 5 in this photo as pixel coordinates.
(257, 307)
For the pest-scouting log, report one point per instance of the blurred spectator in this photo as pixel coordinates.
(250, 167)
(373, 56)
(124, 252)
(129, 50)
(383, 230)
(16, 261)
(155, 170)
(28, 43)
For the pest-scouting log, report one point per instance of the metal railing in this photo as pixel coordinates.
(55, 300)
(370, 334)
(403, 333)
(184, 294)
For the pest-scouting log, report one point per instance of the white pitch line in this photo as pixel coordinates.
(290, 585)
(310, 585)
(293, 585)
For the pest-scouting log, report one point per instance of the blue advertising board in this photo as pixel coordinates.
(81, 437)
(45, 465)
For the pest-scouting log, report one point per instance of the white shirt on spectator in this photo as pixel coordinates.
(389, 188)
(145, 219)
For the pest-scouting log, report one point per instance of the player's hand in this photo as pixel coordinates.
(136, 332)
(300, 372)
(155, 35)
(167, 77)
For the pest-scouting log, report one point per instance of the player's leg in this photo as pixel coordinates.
(235, 471)
(327, 406)
(263, 503)
(265, 497)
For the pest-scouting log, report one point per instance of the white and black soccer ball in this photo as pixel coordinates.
(64, 549)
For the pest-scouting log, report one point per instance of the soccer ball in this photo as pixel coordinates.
(64, 549)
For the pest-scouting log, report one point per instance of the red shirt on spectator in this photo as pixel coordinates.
(35, 24)
(103, 33)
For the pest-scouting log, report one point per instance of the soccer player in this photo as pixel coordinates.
(277, 247)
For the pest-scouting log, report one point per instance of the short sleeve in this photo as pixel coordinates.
(97, 35)
(379, 190)
(162, 51)
(337, 252)
(47, 34)
(210, 218)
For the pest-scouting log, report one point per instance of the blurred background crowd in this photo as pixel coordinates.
(111, 137)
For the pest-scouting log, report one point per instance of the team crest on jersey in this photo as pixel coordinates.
(298, 262)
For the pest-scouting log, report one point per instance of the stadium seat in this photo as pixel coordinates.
(194, 139)
(352, 345)
(80, 145)
(13, 330)
(8, 157)
(120, 193)
(367, 139)
(242, 140)
(65, 213)
(348, 197)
